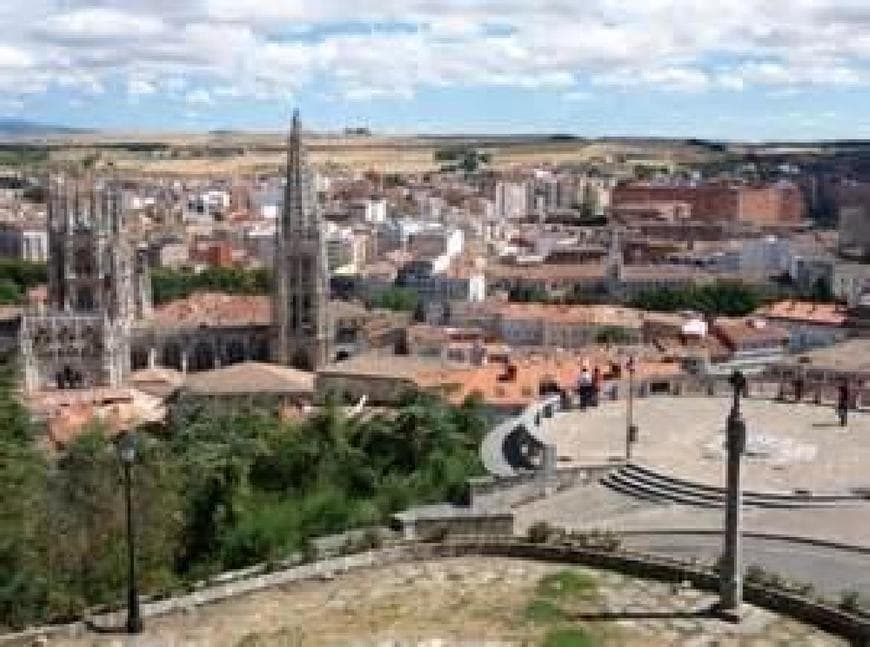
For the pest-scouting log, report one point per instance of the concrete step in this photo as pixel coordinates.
(625, 484)
(644, 483)
(784, 496)
(652, 480)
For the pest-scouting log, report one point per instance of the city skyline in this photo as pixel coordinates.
(681, 68)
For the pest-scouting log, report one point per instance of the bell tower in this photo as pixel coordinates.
(301, 290)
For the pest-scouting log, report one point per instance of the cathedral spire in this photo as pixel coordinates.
(301, 286)
(294, 216)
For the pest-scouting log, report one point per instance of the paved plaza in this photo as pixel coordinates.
(789, 446)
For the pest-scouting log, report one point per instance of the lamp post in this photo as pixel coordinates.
(630, 427)
(731, 576)
(127, 454)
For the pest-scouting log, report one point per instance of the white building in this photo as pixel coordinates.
(850, 281)
(206, 206)
(375, 210)
(511, 200)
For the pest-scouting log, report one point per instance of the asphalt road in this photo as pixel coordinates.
(830, 570)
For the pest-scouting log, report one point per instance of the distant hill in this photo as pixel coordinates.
(10, 127)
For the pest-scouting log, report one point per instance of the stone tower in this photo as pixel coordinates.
(301, 291)
(615, 263)
(81, 338)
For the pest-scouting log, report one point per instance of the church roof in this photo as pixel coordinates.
(215, 309)
(251, 378)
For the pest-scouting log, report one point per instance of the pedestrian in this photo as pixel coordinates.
(843, 402)
(799, 389)
(596, 385)
(584, 385)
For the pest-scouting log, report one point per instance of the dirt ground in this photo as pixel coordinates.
(463, 601)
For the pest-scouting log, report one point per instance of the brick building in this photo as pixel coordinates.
(780, 203)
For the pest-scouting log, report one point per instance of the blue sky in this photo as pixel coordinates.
(746, 69)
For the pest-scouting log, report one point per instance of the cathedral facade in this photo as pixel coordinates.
(98, 285)
(98, 323)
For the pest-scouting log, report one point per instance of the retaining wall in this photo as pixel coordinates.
(852, 626)
(505, 492)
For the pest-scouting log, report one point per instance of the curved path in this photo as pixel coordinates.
(829, 570)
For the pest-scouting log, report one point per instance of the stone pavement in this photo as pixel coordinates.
(462, 601)
(595, 506)
(792, 445)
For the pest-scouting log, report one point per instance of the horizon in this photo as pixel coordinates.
(42, 129)
(749, 72)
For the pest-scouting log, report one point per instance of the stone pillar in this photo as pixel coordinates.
(152, 357)
(184, 361)
(731, 570)
(549, 479)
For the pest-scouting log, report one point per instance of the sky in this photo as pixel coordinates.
(723, 69)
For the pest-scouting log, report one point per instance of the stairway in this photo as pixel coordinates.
(643, 483)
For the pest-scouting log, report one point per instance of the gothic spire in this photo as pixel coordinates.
(294, 196)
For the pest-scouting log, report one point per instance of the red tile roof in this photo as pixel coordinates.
(215, 309)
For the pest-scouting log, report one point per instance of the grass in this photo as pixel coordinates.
(567, 584)
(556, 596)
(543, 612)
(569, 637)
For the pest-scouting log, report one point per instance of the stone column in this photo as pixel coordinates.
(548, 476)
(731, 570)
(152, 357)
(184, 361)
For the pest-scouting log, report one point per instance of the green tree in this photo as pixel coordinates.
(399, 299)
(168, 284)
(730, 298)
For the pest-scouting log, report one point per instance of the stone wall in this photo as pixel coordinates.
(852, 626)
(494, 493)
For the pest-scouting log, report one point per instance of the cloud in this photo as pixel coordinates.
(139, 87)
(370, 49)
(198, 97)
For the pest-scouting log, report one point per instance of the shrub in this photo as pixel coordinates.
(853, 602)
(540, 532)
(569, 637)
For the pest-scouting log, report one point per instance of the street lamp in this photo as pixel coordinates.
(630, 427)
(127, 453)
(731, 577)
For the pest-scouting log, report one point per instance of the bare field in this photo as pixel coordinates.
(244, 154)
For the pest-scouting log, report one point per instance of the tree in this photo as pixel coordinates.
(221, 488)
(168, 284)
(730, 298)
(612, 335)
(17, 276)
(821, 290)
(399, 299)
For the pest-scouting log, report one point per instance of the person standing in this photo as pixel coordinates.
(843, 402)
(584, 385)
(596, 385)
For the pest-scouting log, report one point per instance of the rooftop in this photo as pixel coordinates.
(830, 314)
(733, 330)
(853, 355)
(577, 314)
(215, 309)
(251, 377)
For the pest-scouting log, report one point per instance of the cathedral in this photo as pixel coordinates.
(98, 285)
(97, 324)
(301, 292)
